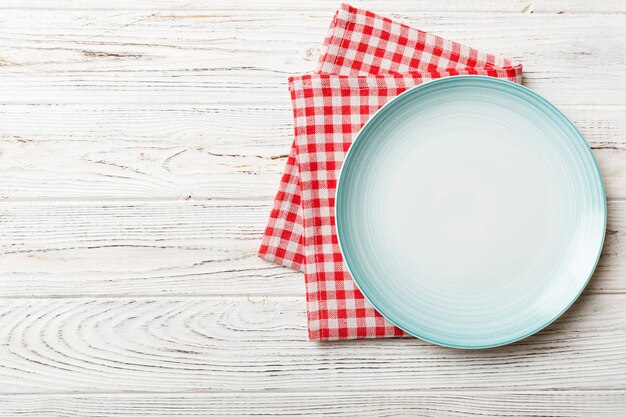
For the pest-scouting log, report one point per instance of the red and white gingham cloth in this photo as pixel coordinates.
(367, 60)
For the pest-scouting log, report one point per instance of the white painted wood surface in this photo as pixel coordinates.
(141, 144)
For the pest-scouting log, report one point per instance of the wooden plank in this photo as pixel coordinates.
(245, 56)
(126, 249)
(136, 152)
(138, 248)
(197, 152)
(446, 403)
(259, 344)
(483, 6)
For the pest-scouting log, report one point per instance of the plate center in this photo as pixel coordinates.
(467, 205)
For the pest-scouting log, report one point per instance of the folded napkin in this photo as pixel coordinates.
(366, 60)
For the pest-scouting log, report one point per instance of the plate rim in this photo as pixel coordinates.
(559, 113)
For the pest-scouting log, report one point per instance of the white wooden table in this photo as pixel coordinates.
(141, 144)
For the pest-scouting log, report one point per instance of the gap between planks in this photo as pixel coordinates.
(285, 391)
(166, 200)
(221, 296)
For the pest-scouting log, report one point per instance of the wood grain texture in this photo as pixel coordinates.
(141, 248)
(138, 248)
(259, 344)
(365, 404)
(143, 152)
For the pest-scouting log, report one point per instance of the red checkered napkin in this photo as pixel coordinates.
(367, 60)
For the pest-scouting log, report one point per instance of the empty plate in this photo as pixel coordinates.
(470, 212)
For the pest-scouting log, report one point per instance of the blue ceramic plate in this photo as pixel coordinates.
(470, 212)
